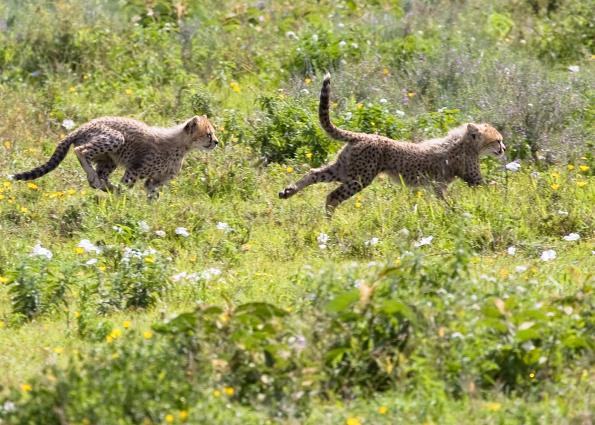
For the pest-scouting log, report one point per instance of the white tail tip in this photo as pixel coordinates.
(10, 176)
(327, 76)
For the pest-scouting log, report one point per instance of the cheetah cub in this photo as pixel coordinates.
(436, 162)
(151, 153)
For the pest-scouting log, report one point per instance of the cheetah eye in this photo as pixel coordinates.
(210, 136)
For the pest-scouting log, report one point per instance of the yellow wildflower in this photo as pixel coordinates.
(116, 333)
(149, 259)
(24, 210)
(385, 71)
(307, 81)
(581, 183)
(71, 192)
(532, 375)
(555, 186)
(216, 393)
(7, 144)
(289, 169)
(183, 415)
(169, 419)
(382, 410)
(229, 391)
(26, 388)
(77, 314)
(7, 184)
(58, 350)
(79, 250)
(353, 421)
(148, 334)
(1, 324)
(584, 168)
(492, 406)
(359, 105)
(3, 279)
(126, 324)
(570, 167)
(411, 94)
(358, 204)
(71, 89)
(235, 86)
(555, 175)
(1, 197)
(309, 155)
(109, 339)
(128, 92)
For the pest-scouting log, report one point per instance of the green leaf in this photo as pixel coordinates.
(343, 301)
(183, 323)
(261, 310)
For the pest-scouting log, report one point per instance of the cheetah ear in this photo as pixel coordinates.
(473, 131)
(191, 126)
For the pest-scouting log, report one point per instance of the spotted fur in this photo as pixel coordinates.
(436, 162)
(151, 153)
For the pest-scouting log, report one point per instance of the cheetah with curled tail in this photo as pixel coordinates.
(436, 162)
(151, 153)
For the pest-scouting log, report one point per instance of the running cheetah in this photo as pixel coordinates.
(436, 162)
(151, 153)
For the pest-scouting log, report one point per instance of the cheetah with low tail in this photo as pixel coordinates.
(151, 153)
(436, 162)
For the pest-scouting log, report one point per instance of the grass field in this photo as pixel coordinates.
(220, 303)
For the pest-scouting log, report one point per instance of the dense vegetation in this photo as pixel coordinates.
(220, 303)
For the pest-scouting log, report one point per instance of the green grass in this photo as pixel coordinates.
(354, 332)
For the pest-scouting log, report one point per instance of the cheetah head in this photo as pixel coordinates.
(201, 133)
(486, 138)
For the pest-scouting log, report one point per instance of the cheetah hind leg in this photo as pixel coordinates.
(94, 181)
(342, 193)
(325, 174)
(104, 168)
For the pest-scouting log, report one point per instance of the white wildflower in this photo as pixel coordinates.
(182, 231)
(400, 113)
(424, 241)
(91, 262)
(117, 229)
(571, 237)
(548, 255)
(210, 274)
(562, 213)
(322, 240)
(372, 242)
(456, 335)
(535, 174)
(314, 38)
(143, 226)
(224, 227)
(68, 124)
(511, 250)
(179, 276)
(521, 269)
(291, 35)
(574, 68)
(40, 251)
(305, 91)
(383, 100)
(9, 406)
(342, 44)
(88, 246)
(354, 45)
(348, 116)
(160, 233)
(513, 166)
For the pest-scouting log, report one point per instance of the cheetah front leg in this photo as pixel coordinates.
(152, 186)
(318, 175)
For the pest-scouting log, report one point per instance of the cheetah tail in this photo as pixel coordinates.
(324, 117)
(55, 160)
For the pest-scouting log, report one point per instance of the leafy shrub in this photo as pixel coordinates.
(290, 128)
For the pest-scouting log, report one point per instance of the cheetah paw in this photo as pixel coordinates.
(287, 192)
